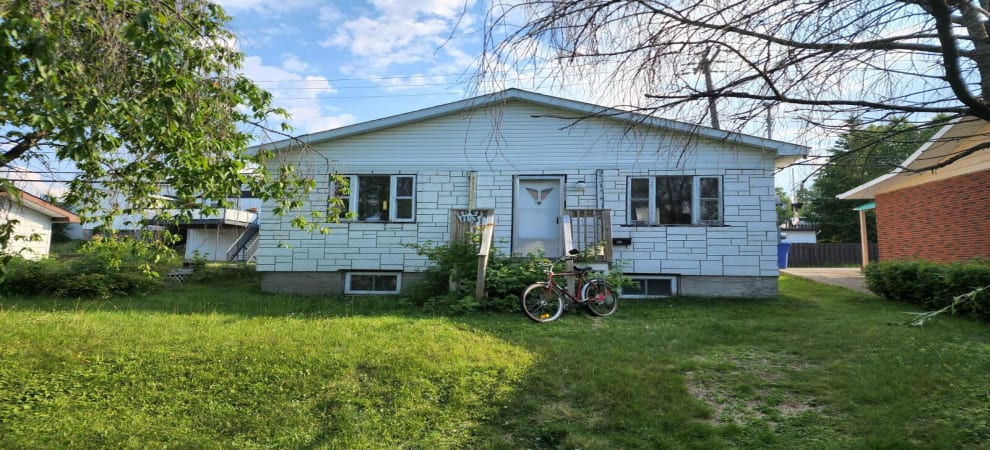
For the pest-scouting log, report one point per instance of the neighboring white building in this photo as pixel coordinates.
(683, 208)
(215, 237)
(798, 231)
(32, 237)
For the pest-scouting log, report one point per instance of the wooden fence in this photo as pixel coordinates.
(828, 255)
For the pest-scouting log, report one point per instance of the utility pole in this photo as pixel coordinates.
(705, 66)
(769, 121)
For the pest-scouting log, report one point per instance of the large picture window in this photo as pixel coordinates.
(675, 200)
(379, 198)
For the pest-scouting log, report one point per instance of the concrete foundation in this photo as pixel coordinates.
(316, 283)
(724, 286)
(332, 283)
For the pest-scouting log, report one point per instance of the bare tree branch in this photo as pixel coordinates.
(815, 62)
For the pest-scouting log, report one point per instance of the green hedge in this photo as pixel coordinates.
(932, 286)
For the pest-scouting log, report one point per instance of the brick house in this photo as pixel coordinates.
(684, 209)
(941, 215)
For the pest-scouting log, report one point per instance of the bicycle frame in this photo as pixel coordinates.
(580, 278)
(544, 301)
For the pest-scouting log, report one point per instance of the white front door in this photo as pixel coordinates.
(537, 208)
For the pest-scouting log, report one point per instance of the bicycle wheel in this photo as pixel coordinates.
(599, 297)
(541, 303)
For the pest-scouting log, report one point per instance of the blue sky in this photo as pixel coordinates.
(333, 63)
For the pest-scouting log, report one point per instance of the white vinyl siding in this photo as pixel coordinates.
(32, 234)
(528, 139)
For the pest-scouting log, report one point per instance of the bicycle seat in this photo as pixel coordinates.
(582, 269)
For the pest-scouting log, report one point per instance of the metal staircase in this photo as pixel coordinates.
(246, 244)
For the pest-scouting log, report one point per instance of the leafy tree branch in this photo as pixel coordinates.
(137, 95)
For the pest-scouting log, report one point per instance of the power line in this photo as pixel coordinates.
(352, 87)
(275, 97)
(369, 78)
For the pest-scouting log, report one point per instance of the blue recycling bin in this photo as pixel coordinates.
(782, 249)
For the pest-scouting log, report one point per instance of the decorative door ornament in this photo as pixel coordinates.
(539, 195)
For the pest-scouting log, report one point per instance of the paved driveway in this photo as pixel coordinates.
(849, 278)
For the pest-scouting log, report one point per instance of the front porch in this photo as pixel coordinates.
(587, 230)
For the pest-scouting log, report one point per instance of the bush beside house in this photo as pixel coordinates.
(933, 286)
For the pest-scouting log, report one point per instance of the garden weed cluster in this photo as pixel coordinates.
(102, 268)
(448, 285)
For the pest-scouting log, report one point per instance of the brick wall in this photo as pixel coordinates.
(942, 221)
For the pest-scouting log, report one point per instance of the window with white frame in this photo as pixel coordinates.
(675, 200)
(650, 286)
(378, 198)
(372, 283)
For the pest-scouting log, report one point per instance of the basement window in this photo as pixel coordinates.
(650, 287)
(373, 283)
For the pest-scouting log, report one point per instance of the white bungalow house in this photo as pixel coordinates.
(32, 234)
(682, 208)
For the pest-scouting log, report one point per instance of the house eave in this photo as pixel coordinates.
(583, 110)
(938, 146)
(37, 204)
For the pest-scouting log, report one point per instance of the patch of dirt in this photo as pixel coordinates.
(742, 387)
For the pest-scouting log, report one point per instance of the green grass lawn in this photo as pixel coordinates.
(224, 366)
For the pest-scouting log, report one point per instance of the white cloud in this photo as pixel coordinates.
(400, 32)
(266, 6)
(273, 34)
(301, 95)
(407, 8)
(33, 183)
(292, 63)
(329, 14)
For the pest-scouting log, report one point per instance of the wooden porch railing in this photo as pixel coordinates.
(464, 221)
(589, 231)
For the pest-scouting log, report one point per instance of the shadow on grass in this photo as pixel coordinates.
(624, 381)
(243, 297)
(238, 297)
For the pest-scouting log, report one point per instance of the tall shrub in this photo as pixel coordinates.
(448, 285)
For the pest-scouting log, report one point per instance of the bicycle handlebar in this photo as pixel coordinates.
(552, 262)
